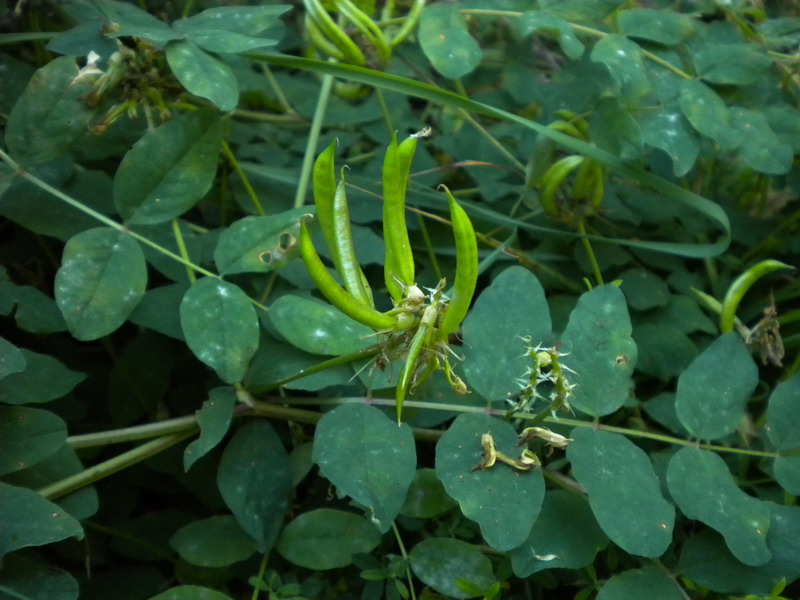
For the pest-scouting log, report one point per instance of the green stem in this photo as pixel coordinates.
(327, 364)
(387, 117)
(405, 557)
(496, 412)
(276, 88)
(187, 8)
(112, 465)
(176, 231)
(135, 433)
(226, 150)
(262, 568)
(313, 138)
(587, 246)
(183, 427)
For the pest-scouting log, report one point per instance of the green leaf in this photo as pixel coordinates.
(531, 22)
(39, 211)
(664, 351)
(784, 533)
(713, 391)
(27, 519)
(44, 379)
(708, 113)
(703, 488)
(784, 120)
(140, 378)
(22, 578)
(169, 169)
(368, 457)
(102, 277)
(614, 129)
(327, 539)
(255, 479)
(706, 560)
(37, 312)
(203, 74)
(783, 415)
(731, 64)
(232, 28)
(159, 310)
(580, 10)
(50, 116)
(787, 473)
(600, 351)
(662, 26)
(11, 359)
(27, 436)
(446, 42)
(648, 582)
(197, 246)
(80, 504)
(511, 307)
(213, 543)
(317, 327)
(220, 326)
(214, 419)
(440, 562)
(426, 497)
(565, 536)
(16, 75)
(623, 490)
(760, 147)
(644, 290)
(259, 244)
(265, 370)
(668, 130)
(502, 500)
(190, 592)
(135, 22)
(625, 62)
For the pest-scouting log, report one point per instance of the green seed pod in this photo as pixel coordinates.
(466, 267)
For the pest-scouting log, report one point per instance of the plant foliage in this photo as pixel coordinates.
(233, 361)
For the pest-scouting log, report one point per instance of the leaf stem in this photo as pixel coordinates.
(226, 150)
(587, 246)
(326, 364)
(176, 230)
(405, 558)
(276, 88)
(497, 412)
(112, 465)
(132, 434)
(313, 138)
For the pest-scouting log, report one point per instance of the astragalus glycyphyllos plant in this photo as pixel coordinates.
(226, 289)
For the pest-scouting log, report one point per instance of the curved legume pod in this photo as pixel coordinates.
(345, 259)
(466, 267)
(335, 293)
(399, 259)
